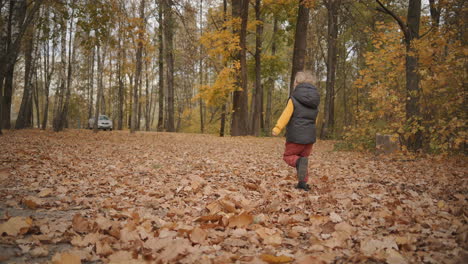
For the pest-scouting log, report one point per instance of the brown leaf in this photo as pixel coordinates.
(103, 248)
(209, 218)
(276, 259)
(32, 202)
(16, 226)
(241, 221)
(39, 252)
(198, 235)
(80, 224)
(45, 192)
(66, 258)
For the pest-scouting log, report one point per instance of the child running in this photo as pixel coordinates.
(299, 118)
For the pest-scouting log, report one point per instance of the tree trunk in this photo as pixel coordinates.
(99, 91)
(332, 17)
(258, 97)
(200, 100)
(224, 107)
(24, 119)
(7, 98)
(148, 99)
(300, 43)
(62, 111)
(239, 126)
(9, 56)
(410, 31)
(168, 37)
(161, 70)
(271, 83)
(49, 68)
(137, 83)
(413, 91)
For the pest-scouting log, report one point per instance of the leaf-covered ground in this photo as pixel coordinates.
(184, 198)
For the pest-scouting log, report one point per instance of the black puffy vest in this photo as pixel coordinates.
(301, 126)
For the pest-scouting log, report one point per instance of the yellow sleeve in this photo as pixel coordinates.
(284, 118)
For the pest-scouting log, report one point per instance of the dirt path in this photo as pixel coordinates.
(188, 198)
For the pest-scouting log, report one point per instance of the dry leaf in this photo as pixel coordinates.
(32, 202)
(276, 259)
(393, 257)
(45, 193)
(39, 252)
(103, 249)
(66, 258)
(198, 235)
(241, 221)
(269, 236)
(335, 218)
(80, 224)
(16, 226)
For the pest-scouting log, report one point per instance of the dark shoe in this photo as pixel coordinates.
(301, 166)
(304, 186)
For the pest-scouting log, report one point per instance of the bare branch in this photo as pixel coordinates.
(400, 22)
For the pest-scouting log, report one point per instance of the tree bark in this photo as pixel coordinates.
(135, 107)
(200, 100)
(24, 119)
(258, 97)
(62, 111)
(239, 126)
(300, 43)
(161, 69)
(168, 37)
(99, 90)
(410, 31)
(332, 17)
(271, 83)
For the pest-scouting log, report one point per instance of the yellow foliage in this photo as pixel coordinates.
(218, 93)
(382, 91)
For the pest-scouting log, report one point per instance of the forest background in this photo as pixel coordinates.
(206, 66)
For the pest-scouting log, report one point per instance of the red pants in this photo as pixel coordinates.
(294, 151)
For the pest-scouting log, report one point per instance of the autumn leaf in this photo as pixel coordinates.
(198, 235)
(240, 221)
(16, 226)
(80, 224)
(66, 258)
(276, 259)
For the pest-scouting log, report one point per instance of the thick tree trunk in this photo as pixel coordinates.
(24, 119)
(91, 84)
(258, 97)
(7, 98)
(410, 30)
(161, 70)
(135, 107)
(168, 37)
(239, 126)
(300, 43)
(413, 90)
(329, 122)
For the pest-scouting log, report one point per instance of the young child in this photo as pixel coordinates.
(299, 118)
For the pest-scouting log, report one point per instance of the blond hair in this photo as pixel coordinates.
(304, 77)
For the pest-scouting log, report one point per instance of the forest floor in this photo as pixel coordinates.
(114, 197)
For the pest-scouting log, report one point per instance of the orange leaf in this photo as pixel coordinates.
(276, 259)
(240, 221)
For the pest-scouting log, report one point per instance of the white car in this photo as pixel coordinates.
(103, 123)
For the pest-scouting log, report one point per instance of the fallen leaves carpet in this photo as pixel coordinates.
(114, 197)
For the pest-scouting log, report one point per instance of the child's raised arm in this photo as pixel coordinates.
(284, 118)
